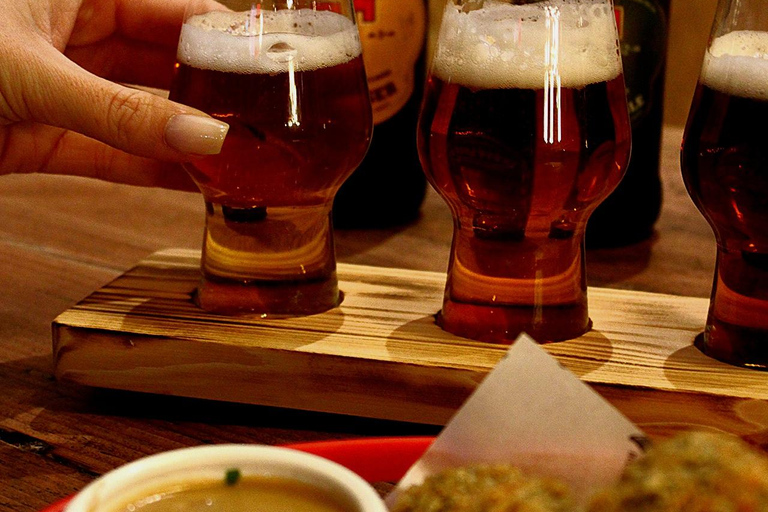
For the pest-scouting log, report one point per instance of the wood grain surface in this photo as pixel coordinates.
(62, 238)
(379, 355)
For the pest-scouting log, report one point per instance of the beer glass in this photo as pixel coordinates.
(288, 78)
(725, 168)
(524, 131)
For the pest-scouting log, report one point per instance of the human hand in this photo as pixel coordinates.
(62, 109)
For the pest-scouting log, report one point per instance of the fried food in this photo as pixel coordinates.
(692, 472)
(486, 488)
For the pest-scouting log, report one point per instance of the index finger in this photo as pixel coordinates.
(46, 149)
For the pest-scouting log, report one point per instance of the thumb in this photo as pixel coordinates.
(60, 93)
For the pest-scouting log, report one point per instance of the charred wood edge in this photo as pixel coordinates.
(716, 405)
(39, 447)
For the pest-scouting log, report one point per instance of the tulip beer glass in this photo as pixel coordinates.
(524, 131)
(725, 168)
(288, 77)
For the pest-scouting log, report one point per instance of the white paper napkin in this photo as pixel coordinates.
(533, 413)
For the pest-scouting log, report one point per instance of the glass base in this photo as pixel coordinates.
(268, 261)
(265, 299)
(735, 345)
(503, 324)
(737, 324)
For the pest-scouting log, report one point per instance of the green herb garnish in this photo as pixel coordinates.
(232, 476)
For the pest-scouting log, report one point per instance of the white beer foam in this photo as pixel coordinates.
(571, 43)
(737, 64)
(272, 43)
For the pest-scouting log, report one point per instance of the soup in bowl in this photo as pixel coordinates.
(229, 478)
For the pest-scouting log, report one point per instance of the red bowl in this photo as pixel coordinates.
(378, 459)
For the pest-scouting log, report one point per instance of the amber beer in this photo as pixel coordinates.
(296, 100)
(524, 131)
(725, 168)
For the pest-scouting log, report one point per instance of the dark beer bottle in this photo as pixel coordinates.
(630, 212)
(387, 189)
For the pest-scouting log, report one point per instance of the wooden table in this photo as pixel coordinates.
(62, 238)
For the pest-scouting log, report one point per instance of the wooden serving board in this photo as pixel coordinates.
(381, 355)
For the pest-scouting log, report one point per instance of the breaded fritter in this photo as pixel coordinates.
(486, 488)
(692, 472)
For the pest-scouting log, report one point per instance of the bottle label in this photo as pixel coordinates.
(643, 33)
(392, 34)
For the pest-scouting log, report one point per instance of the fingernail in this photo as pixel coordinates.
(197, 135)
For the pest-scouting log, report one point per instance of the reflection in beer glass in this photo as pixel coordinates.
(288, 78)
(725, 169)
(524, 131)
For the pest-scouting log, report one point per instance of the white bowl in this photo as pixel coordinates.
(212, 461)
